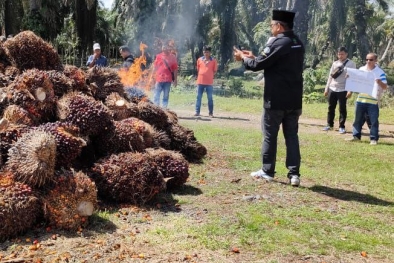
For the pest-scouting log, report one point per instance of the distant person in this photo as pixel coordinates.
(366, 104)
(207, 66)
(128, 58)
(283, 64)
(166, 72)
(335, 90)
(97, 59)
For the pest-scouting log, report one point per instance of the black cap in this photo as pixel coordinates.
(124, 48)
(283, 16)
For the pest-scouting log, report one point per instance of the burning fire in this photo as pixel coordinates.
(135, 76)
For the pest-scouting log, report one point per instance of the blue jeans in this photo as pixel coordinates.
(373, 112)
(162, 87)
(200, 91)
(271, 121)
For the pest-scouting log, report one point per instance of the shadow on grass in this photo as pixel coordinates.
(347, 195)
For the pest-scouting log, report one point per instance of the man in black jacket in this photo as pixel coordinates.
(282, 61)
(128, 58)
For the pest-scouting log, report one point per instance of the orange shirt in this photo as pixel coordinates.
(206, 69)
(163, 74)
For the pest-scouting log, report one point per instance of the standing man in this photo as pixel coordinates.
(128, 58)
(335, 90)
(97, 59)
(166, 72)
(282, 62)
(207, 66)
(366, 104)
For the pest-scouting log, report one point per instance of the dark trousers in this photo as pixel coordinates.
(271, 121)
(333, 99)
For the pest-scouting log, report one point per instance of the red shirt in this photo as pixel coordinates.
(206, 70)
(163, 74)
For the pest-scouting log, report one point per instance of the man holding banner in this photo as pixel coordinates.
(370, 81)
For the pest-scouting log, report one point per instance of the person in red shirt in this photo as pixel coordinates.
(207, 66)
(166, 72)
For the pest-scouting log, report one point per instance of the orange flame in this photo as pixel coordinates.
(135, 76)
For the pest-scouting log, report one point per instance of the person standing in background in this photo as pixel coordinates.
(207, 67)
(335, 90)
(97, 59)
(366, 104)
(166, 72)
(128, 58)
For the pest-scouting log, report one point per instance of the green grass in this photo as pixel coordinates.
(346, 207)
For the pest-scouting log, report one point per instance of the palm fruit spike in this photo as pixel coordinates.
(33, 91)
(78, 77)
(127, 177)
(89, 115)
(27, 51)
(19, 207)
(153, 115)
(106, 80)
(18, 115)
(120, 107)
(183, 140)
(68, 143)
(32, 158)
(9, 134)
(61, 83)
(70, 201)
(123, 138)
(172, 165)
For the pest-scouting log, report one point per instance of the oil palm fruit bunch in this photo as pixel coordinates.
(32, 158)
(122, 138)
(9, 75)
(9, 134)
(61, 83)
(33, 91)
(26, 51)
(89, 115)
(172, 117)
(3, 99)
(172, 165)
(136, 95)
(107, 81)
(68, 143)
(18, 115)
(184, 141)
(127, 177)
(19, 207)
(78, 76)
(120, 107)
(70, 200)
(153, 115)
(143, 128)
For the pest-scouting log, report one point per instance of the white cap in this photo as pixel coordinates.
(96, 46)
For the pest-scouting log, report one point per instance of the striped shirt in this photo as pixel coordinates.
(379, 74)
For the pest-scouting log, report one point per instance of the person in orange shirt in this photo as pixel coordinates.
(206, 68)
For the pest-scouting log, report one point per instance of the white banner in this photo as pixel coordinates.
(362, 82)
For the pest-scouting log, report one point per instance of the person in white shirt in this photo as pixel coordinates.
(366, 104)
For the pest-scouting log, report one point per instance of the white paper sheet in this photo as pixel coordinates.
(362, 82)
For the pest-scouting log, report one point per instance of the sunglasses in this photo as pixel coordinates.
(369, 59)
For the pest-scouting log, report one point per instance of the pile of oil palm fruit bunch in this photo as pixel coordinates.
(71, 137)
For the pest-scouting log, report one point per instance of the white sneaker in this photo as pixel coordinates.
(260, 174)
(295, 180)
(373, 142)
(342, 131)
(353, 139)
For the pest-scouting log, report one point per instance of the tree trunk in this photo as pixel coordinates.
(361, 28)
(301, 20)
(227, 36)
(13, 14)
(85, 23)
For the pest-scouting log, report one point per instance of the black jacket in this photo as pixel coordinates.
(283, 62)
(128, 61)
